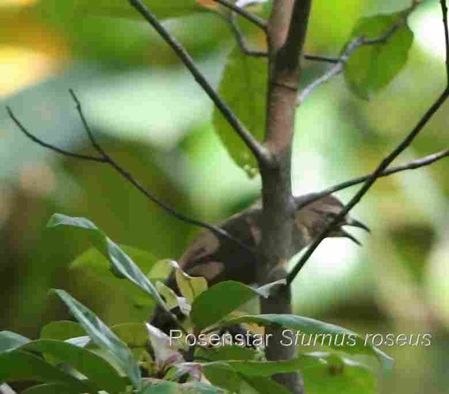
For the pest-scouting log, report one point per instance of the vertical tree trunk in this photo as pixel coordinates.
(286, 34)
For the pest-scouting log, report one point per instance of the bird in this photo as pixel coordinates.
(219, 259)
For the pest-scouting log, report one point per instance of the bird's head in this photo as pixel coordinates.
(313, 217)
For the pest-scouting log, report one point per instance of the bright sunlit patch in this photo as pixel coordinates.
(332, 265)
(17, 2)
(428, 28)
(21, 67)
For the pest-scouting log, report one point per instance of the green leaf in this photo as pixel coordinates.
(189, 286)
(341, 374)
(103, 336)
(324, 333)
(62, 330)
(93, 262)
(135, 335)
(20, 365)
(321, 371)
(10, 341)
(259, 368)
(51, 388)
(265, 385)
(101, 375)
(244, 88)
(225, 297)
(225, 376)
(121, 263)
(232, 352)
(166, 387)
(143, 259)
(120, 8)
(372, 67)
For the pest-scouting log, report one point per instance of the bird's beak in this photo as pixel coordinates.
(344, 233)
(355, 223)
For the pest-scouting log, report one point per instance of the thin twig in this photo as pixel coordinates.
(413, 165)
(335, 70)
(383, 164)
(244, 13)
(446, 35)
(40, 142)
(320, 58)
(259, 151)
(240, 38)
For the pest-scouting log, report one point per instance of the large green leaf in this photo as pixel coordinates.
(244, 88)
(321, 333)
(338, 375)
(51, 388)
(221, 299)
(62, 330)
(121, 264)
(371, 67)
(100, 374)
(265, 385)
(103, 336)
(92, 262)
(122, 8)
(20, 365)
(225, 376)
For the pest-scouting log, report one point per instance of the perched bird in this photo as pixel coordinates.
(218, 259)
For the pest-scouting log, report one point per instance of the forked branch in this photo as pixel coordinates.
(105, 158)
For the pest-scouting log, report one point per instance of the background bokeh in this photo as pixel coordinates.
(153, 118)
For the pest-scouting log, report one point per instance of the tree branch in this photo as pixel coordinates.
(384, 163)
(244, 13)
(258, 150)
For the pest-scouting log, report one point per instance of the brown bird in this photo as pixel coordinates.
(218, 259)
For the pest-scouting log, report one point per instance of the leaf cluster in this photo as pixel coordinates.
(88, 356)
